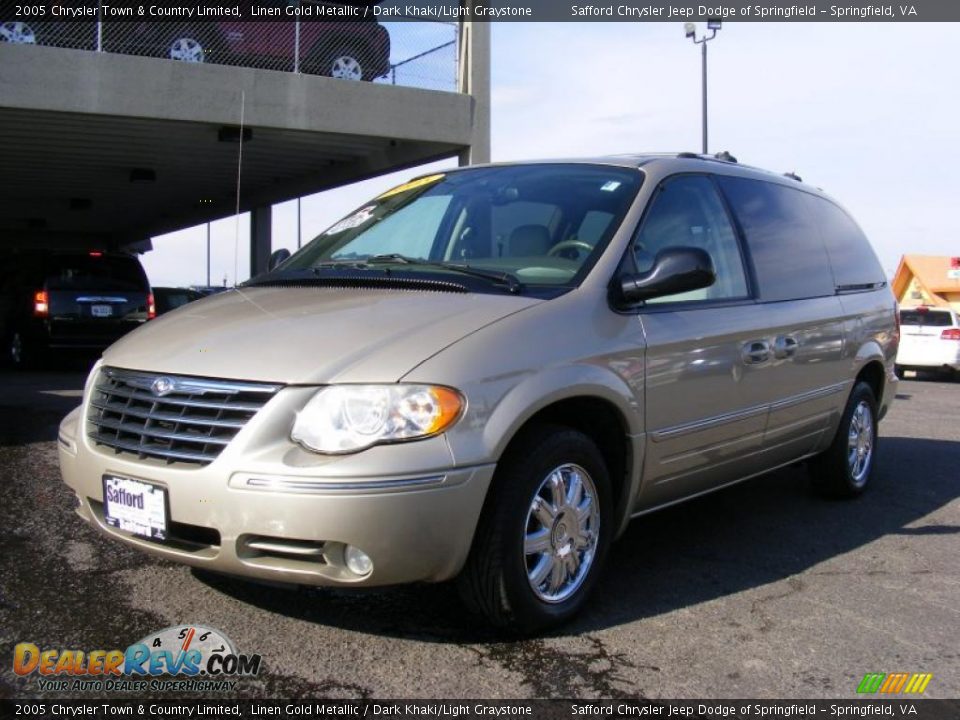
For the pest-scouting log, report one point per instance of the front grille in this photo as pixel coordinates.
(175, 418)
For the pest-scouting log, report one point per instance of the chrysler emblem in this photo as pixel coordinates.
(162, 386)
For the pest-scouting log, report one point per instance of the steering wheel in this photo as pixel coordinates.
(560, 248)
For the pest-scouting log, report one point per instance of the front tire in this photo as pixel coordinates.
(345, 63)
(544, 532)
(846, 468)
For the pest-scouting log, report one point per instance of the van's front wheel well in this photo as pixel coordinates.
(603, 423)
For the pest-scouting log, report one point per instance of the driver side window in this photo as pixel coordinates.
(688, 212)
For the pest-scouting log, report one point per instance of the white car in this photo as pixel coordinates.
(929, 340)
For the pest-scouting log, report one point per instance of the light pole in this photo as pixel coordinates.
(691, 31)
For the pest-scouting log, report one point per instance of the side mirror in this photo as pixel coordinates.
(277, 257)
(675, 270)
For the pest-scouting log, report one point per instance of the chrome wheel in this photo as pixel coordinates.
(186, 49)
(346, 67)
(17, 32)
(562, 532)
(860, 443)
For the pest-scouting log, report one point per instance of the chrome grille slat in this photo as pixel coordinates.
(148, 451)
(187, 420)
(148, 431)
(147, 397)
(177, 417)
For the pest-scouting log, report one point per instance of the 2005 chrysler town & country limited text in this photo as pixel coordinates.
(486, 373)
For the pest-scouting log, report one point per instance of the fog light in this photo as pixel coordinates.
(357, 560)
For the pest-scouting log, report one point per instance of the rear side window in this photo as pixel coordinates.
(788, 253)
(95, 272)
(855, 266)
(927, 318)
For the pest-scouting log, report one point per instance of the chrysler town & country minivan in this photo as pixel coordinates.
(486, 373)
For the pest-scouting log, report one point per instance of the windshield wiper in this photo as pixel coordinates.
(502, 278)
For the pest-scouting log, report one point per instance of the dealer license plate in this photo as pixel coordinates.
(101, 310)
(134, 506)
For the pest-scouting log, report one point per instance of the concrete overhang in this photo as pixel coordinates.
(76, 124)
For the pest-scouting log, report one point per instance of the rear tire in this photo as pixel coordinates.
(846, 468)
(543, 534)
(188, 45)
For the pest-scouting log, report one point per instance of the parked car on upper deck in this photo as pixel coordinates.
(486, 373)
(349, 50)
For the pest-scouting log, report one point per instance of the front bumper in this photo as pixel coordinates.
(268, 510)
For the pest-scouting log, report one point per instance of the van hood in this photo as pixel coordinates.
(309, 335)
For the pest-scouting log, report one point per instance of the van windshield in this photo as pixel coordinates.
(536, 224)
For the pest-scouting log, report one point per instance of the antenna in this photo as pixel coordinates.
(236, 214)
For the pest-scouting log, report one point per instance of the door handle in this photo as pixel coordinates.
(756, 351)
(784, 347)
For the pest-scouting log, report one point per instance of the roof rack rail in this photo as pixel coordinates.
(725, 156)
(793, 176)
(688, 155)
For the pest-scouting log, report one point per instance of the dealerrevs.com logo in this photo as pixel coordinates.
(181, 658)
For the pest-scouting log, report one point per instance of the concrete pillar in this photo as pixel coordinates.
(261, 228)
(474, 80)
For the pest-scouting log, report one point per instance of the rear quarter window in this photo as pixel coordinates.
(855, 265)
(789, 256)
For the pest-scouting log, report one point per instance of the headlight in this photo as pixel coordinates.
(348, 418)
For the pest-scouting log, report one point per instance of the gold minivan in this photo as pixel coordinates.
(486, 373)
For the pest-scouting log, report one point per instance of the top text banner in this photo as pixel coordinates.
(484, 10)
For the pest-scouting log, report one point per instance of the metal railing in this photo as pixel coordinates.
(415, 54)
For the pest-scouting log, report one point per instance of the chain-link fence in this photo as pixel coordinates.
(416, 54)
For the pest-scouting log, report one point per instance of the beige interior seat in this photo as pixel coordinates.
(528, 241)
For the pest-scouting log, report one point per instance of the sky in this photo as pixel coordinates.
(866, 111)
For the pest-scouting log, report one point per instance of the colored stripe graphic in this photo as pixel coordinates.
(871, 682)
(893, 683)
(918, 683)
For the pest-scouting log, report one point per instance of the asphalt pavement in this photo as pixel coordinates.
(758, 591)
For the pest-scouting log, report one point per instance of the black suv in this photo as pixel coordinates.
(77, 300)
